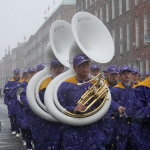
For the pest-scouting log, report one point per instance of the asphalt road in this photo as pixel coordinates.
(7, 140)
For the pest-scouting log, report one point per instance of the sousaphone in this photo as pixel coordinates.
(58, 47)
(94, 40)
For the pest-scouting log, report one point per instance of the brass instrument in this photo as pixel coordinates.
(96, 93)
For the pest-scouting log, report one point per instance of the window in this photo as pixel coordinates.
(101, 13)
(141, 66)
(121, 40)
(120, 7)
(147, 65)
(127, 5)
(145, 23)
(128, 36)
(107, 12)
(137, 32)
(136, 2)
(113, 9)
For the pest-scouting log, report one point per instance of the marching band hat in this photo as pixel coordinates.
(113, 69)
(26, 71)
(124, 68)
(105, 69)
(135, 71)
(16, 71)
(139, 73)
(79, 59)
(40, 67)
(31, 70)
(55, 62)
(147, 74)
(95, 67)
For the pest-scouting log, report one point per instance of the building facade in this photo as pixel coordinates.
(127, 22)
(141, 29)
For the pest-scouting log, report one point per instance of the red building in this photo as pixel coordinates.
(140, 28)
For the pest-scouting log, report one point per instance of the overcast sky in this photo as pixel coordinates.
(19, 18)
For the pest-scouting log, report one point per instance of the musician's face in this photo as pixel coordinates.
(126, 76)
(30, 75)
(25, 76)
(82, 69)
(135, 77)
(95, 72)
(106, 74)
(113, 77)
(57, 69)
(16, 76)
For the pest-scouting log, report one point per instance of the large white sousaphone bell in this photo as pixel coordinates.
(57, 48)
(94, 40)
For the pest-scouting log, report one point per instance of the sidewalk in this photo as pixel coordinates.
(7, 140)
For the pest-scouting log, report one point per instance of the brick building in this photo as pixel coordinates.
(140, 28)
(119, 17)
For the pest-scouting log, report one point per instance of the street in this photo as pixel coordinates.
(7, 140)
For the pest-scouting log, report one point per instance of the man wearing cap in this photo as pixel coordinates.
(112, 79)
(49, 131)
(27, 114)
(135, 73)
(108, 119)
(123, 98)
(142, 113)
(79, 137)
(10, 90)
(19, 104)
(95, 70)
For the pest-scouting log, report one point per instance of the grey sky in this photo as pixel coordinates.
(19, 18)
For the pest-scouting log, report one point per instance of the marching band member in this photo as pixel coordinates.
(89, 137)
(108, 119)
(143, 111)
(10, 90)
(112, 76)
(49, 131)
(26, 111)
(123, 98)
(19, 105)
(134, 78)
(95, 70)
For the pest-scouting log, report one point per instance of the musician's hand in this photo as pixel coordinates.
(121, 109)
(79, 108)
